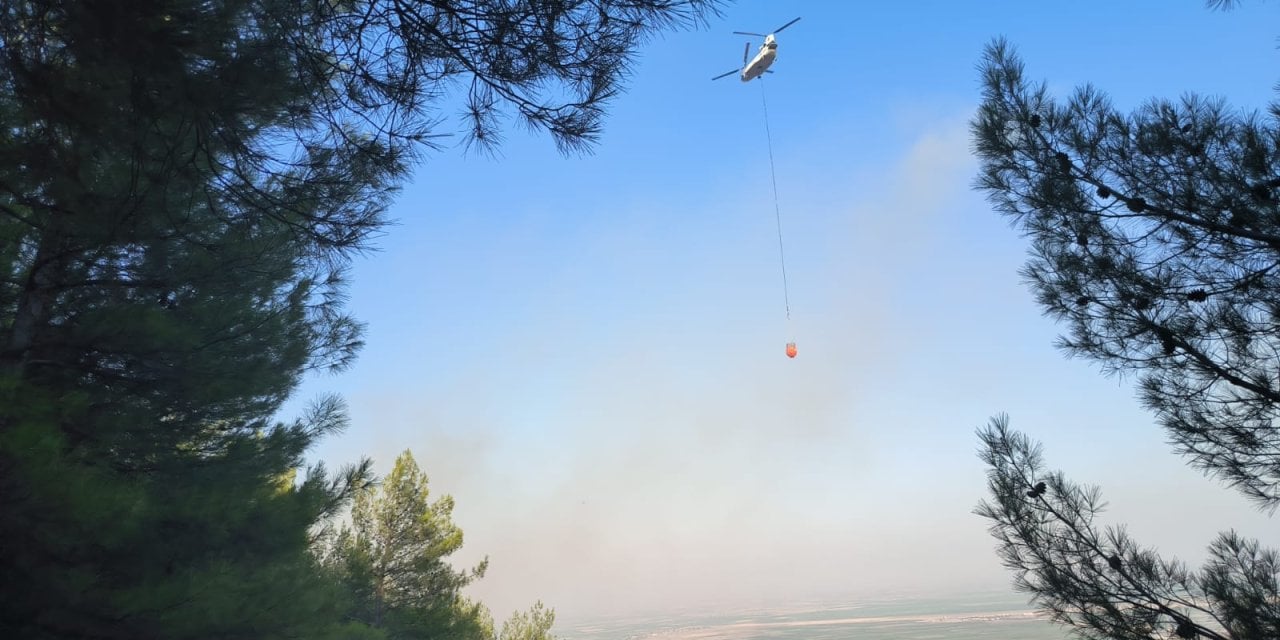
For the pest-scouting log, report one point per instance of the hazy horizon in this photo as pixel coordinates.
(587, 353)
(991, 616)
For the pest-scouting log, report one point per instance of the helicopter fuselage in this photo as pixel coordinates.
(759, 64)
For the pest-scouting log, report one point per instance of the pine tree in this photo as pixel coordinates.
(1154, 236)
(182, 185)
(1098, 580)
(534, 624)
(394, 560)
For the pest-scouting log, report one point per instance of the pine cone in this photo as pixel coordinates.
(1186, 629)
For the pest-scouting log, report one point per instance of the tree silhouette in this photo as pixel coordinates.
(1155, 237)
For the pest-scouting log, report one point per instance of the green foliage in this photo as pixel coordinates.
(534, 624)
(393, 561)
(1154, 237)
(182, 187)
(203, 547)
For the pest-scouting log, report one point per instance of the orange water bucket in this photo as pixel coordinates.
(791, 349)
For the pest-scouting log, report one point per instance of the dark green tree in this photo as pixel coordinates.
(182, 185)
(1099, 581)
(1155, 236)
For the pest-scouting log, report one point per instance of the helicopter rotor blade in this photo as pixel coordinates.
(749, 33)
(779, 29)
(727, 73)
(746, 51)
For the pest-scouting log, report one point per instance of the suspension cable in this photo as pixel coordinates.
(777, 211)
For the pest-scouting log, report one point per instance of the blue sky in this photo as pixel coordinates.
(587, 352)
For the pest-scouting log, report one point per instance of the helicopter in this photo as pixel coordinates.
(765, 57)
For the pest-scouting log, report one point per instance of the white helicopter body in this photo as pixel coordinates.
(760, 64)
